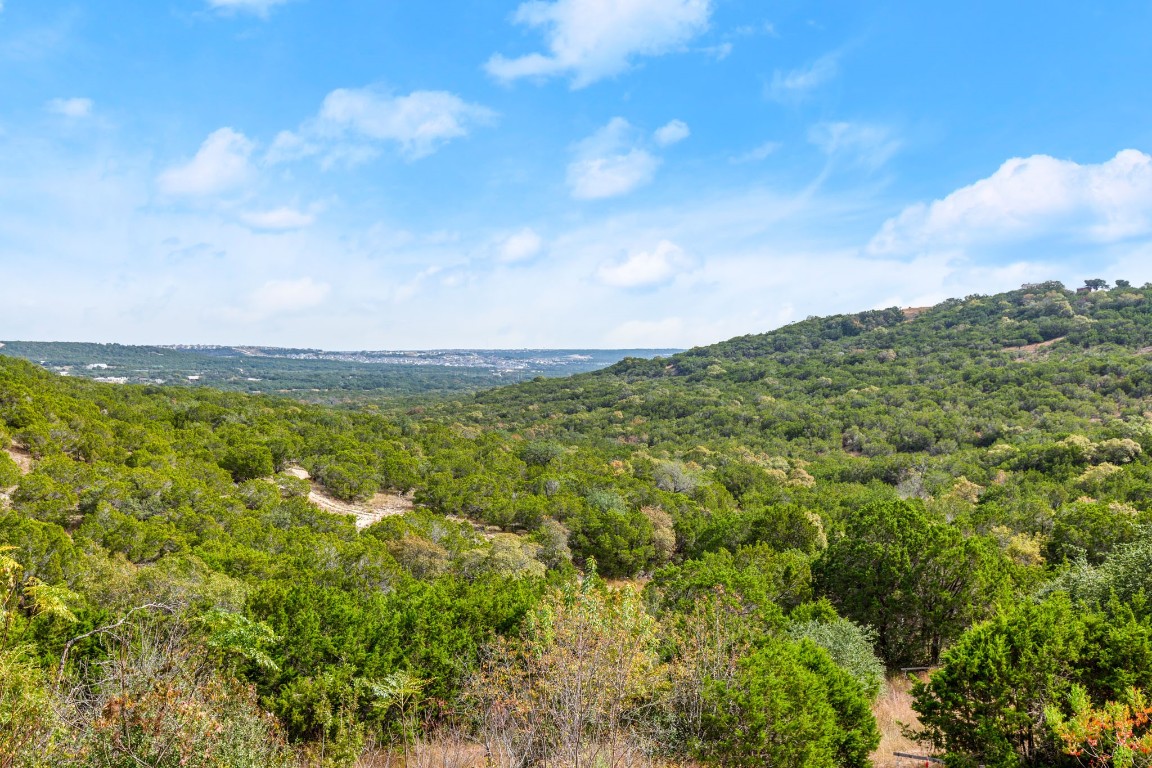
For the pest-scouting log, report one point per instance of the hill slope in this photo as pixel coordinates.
(910, 472)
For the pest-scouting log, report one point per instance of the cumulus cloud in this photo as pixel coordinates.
(865, 144)
(520, 246)
(673, 132)
(352, 122)
(1037, 196)
(589, 40)
(278, 219)
(646, 269)
(798, 83)
(222, 164)
(74, 107)
(609, 163)
(280, 296)
(259, 8)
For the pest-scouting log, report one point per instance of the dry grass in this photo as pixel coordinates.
(450, 752)
(455, 752)
(893, 709)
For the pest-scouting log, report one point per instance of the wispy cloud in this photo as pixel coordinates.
(795, 84)
(73, 107)
(260, 8)
(610, 163)
(758, 153)
(1031, 197)
(281, 296)
(865, 144)
(519, 246)
(221, 165)
(589, 40)
(353, 122)
(280, 219)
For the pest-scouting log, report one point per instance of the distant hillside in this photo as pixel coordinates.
(312, 373)
(965, 372)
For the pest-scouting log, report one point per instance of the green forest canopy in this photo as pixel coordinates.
(965, 485)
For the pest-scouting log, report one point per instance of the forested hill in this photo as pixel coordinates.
(962, 374)
(780, 519)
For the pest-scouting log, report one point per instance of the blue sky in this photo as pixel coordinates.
(556, 173)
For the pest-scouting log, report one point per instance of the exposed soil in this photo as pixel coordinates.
(911, 313)
(21, 456)
(1030, 348)
(366, 513)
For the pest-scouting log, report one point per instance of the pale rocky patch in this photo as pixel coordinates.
(21, 456)
(375, 509)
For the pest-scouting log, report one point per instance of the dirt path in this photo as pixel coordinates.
(1032, 348)
(23, 461)
(21, 456)
(366, 513)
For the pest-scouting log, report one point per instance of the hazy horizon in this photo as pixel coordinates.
(561, 174)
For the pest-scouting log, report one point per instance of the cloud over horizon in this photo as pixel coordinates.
(1030, 197)
(646, 269)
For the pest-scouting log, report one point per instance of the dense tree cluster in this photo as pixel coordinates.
(965, 486)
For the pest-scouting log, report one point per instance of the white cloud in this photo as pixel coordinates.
(759, 153)
(222, 164)
(675, 131)
(74, 107)
(646, 269)
(668, 333)
(592, 39)
(278, 219)
(797, 83)
(520, 246)
(718, 52)
(608, 163)
(1037, 196)
(259, 8)
(868, 145)
(280, 296)
(353, 121)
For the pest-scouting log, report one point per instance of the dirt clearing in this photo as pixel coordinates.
(373, 510)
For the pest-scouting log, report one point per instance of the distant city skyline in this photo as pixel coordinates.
(556, 174)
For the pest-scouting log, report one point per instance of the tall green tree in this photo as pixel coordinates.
(914, 578)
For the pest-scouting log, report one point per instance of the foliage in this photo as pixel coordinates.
(574, 688)
(939, 477)
(774, 711)
(26, 714)
(1115, 735)
(917, 580)
(848, 644)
